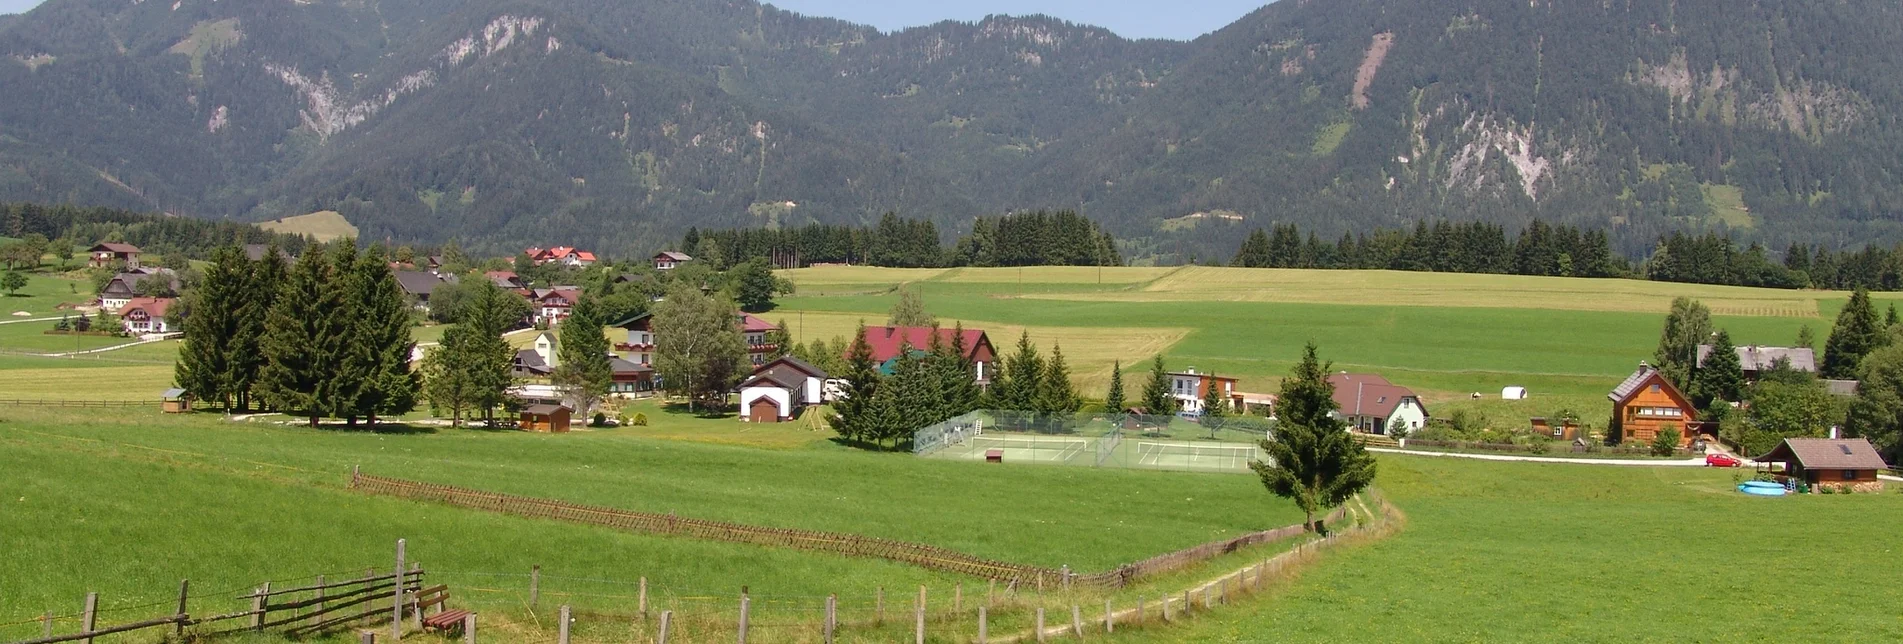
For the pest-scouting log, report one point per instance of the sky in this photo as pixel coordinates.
(1179, 20)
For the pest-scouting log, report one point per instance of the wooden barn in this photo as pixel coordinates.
(1843, 463)
(175, 401)
(545, 418)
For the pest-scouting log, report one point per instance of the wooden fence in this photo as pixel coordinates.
(918, 554)
(317, 607)
(80, 403)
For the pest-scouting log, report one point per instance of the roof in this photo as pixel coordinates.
(786, 371)
(504, 279)
(783, 379)
(618, 365)
(751, 323)
(174, 393)
(1194, 374)
(528, 358)
(570, 295)
(1841, 387)
(630, 321)
(795, 364)
(114, 247)
(153, 306)
(1827, 454)
(1366, 394)
(417, 282)
(631, 277)
(255, 252)
(543, 409)
(1633, 382)
(886, 340)
(1756, 358)
(673, 255)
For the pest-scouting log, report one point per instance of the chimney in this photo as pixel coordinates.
(1643, 365)
(890, 330)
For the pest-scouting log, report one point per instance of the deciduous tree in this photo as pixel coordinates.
(1687, 326)
(698, 349)
(910, 310)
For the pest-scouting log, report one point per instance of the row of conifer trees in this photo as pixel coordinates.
(325, 336)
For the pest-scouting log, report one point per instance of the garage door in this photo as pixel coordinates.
(764, 410)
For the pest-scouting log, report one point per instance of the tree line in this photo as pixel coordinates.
(1444, 246)
(71, 226)
(1062, 238)
(328, 336)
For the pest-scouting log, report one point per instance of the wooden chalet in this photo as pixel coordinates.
(1646, 403)
(108, 254)
(668, 260)
(1849, 464)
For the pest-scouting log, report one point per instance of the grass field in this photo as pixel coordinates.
(1518, 552)
(325, 225)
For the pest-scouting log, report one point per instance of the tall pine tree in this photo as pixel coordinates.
(1719, 379)
(1056, 396)
(300, 344)
(1026, 371)
(1157, 398)
(853, 410)
(1113, 401)
(207, 361)
(1856, 334)
(583, 355)
(1312, 461)
(382, 347)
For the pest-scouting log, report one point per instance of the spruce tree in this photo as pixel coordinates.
(348, 371)
(1113, 401)
(264, 280)
(1027, 376)
(1157, 398)
(488, 361)
(449, 382)
(1055, 394)
(851, 411)
(1854, 336)
(300, 342)
(583, 355)
(1720, 379)
(1312, 461)
(1804, 338)
(382, 347)
(961, 384)
(1215, 404)
(206, 360)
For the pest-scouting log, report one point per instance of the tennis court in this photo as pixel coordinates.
(1020, 449)
(1090, 441)
(1195, 457)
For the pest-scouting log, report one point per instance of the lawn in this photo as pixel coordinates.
(1517, 552)
(325, 225)
(43, 293)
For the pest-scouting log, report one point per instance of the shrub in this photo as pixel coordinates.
(640, 420)
(1665, 442)
(601, 419)
(1826, 489)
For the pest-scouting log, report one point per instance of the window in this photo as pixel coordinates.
(1850, 475)
(1655, 389)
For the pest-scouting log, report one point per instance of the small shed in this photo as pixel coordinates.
(175, 401)
(545, 418)
(1513, 393)
(1849, 464)
(1558, 428)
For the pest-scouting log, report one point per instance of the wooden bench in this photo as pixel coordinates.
(445, 619)
(994, 456)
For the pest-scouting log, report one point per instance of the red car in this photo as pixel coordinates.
(1722, 460)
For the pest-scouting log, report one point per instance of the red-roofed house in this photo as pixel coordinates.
(888, 341)
(507, 280)
(553, 304)
(638, 346)
(1372, 405)
(564, 255)
(147, 315)
(105, 254)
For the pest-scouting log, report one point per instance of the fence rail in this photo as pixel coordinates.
(918, 554)
(318, 613)
(78, 403)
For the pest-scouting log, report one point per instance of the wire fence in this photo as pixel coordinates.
(1127, 441)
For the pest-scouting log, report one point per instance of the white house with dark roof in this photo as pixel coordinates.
(668, 260)
(778, 390)
(1372, 405)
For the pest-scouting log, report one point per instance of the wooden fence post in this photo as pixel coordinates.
(991, 588)
(958, 598)
(184, 588)
(257, 606)
(745, 603)
(317, 616)
(1166, 609)
(469, 629)
(367, 637)
(535, 585)
(1076, 621)
(666, 617)
(982, 626)
(561, 630)
(644, 599)
(1109, 619)
(918, 618)
(1188, 601)
(832, 616)
(1139, 610)
(1040, 623)
(880, 620)
(46, 624)
(89, 617)
(396, 595)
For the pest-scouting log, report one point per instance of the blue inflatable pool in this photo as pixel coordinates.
(1762, 490)
(1763, 484)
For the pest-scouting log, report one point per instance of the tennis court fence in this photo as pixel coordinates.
(1128, 441)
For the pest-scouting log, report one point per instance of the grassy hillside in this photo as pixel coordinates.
(324, 225)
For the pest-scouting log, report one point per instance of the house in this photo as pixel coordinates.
(175, 401)
(1562, 429)
(1646, 403)
(629, 378)
(563, 255)
(1188, 388)
(778, 390)
(506, 280)
(125, 286)
(544, 418)
(1372, 405)
(538, 361)
(419, 284)
(108, 254)
(668, 260)
(638, 345)
(1755, 360)
(144, 315)
(887, 342)
(255, 252)
(1849, 464)
(551, 305)
(1845, 388)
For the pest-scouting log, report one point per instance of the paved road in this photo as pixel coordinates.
(1690, 462)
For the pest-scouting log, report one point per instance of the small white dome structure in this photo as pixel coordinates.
(1513, 393)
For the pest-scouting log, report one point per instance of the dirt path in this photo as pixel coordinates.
(1690, 462)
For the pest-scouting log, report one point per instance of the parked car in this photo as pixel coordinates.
(1722, 460)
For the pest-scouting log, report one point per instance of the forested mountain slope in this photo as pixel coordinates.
(618, 124)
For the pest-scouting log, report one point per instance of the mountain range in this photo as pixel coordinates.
(619, 124)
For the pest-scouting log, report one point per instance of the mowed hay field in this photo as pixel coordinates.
(324, 225)
(1524, 552)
